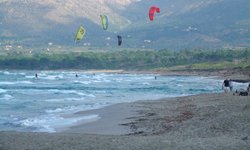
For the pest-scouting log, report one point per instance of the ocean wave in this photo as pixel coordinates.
(83, 82)
(15, 82)
(55, 91)
(48, 123)
(3, 91)
(6, 97)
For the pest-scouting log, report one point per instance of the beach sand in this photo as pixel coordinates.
(218, 121)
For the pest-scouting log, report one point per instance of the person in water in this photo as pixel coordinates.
(76, 75)
(225, 85)
(36, 75)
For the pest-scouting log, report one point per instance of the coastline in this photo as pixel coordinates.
(204, 121)
(221, 74)
(218, 75)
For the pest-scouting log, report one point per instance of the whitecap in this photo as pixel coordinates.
(24, 82)
(2, 91)
(83, 82)
(6, 73)
(75, 99)
(54, 100)
(6, 83)
(21, 73)
(179, 85)
(145, 83)
(6, 97)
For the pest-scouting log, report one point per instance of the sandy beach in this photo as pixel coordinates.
(206, 121)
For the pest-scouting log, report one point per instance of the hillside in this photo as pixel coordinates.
(211, 24)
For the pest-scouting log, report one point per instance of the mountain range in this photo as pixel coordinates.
(206, 24)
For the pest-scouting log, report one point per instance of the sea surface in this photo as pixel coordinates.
(31, 104)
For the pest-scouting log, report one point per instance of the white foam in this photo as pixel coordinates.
(54, 100)
(83, 82)
(6, 73)
(21, 73)
(6, 83)
(2, 91)
(24, 82)
(144, 83)
(75, 99)
(74, 109)
(65, 99)
(16, 82)
(6, 97)
(70, 92)
(30, 77)
(179, 85)
(50, 122)
(52, 77)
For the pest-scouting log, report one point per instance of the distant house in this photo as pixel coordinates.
(189, 28)
(147, 41)
(8, 46)
(86, 44)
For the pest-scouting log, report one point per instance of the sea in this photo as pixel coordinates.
(30, 104)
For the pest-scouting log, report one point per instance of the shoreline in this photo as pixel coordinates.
(108, 122)
(236, 77)
(204, 121)
(221, 75)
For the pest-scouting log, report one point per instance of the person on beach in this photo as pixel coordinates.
(225, 85)
(231, 85)
(248, 88)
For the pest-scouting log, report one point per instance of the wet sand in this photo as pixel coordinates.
(206, 121)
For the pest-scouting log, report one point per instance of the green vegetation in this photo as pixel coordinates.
(163, 59)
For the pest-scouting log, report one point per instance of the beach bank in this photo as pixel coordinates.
(205, 121)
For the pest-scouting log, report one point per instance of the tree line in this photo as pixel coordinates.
(119, 60)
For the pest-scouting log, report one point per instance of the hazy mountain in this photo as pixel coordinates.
(210, 24)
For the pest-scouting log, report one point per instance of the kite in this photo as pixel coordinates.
(104, 22)
(152, 12)
(80, 33)
(119, 40)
